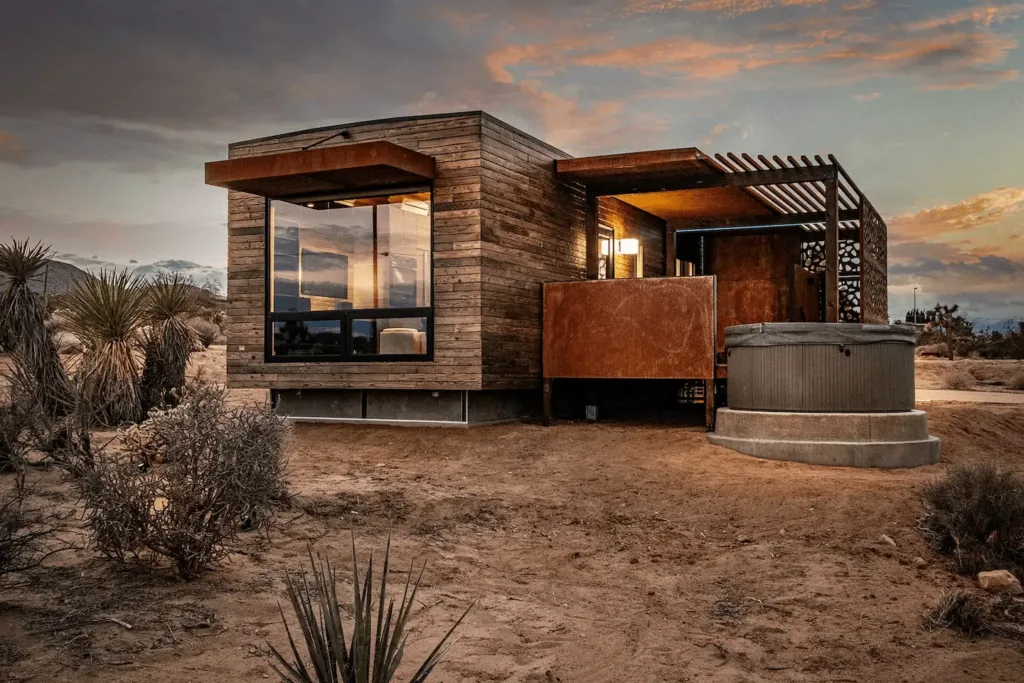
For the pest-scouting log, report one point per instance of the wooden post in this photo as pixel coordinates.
(709, 404)
(547, 402)
(593, 245)
(670, 250)
(832, 250)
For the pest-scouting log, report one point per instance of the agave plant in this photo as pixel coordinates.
(105, 312)
(24, 334)
(169, 341)
(371, 654)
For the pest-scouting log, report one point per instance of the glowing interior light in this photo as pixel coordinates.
(629, 246)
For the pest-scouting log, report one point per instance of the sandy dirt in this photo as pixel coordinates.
(991, 375)
(608, 552)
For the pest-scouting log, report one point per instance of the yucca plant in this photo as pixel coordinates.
(23, 331)
(371, 653)
(105, 312)
(171, 299)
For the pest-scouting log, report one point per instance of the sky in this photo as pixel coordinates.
(110, 107)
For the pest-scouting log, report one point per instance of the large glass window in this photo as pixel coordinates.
(350, 278)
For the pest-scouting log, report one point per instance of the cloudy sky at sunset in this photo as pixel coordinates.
(110, 107)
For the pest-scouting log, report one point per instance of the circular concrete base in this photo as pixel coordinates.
(839, 439)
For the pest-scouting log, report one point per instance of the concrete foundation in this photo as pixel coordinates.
(405, 407)
(888, 440)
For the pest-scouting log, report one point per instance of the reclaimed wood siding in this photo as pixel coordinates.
(627, 221)
(532, 232)
(455, 142)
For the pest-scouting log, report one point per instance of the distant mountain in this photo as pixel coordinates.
(57, 278)
(60, 278)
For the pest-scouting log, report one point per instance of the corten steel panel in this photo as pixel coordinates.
(754, 277)
(659, 328)
(365, 165)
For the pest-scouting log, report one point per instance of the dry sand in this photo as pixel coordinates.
(608, 552)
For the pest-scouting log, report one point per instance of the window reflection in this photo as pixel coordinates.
(334, 255)
(389, 337)
(308, 338)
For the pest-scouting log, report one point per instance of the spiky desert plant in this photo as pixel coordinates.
(171, 299)
(105, 312)
(23, 331)
(370, 654)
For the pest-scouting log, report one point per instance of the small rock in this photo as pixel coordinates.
(920, 562)
(634, 560)
(888, 539)
(1000, 581)
(744, 539)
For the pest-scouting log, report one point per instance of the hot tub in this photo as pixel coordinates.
(821, 367)
(824, 394)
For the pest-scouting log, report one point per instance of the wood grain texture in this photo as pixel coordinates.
(455, 144)
(661, 328)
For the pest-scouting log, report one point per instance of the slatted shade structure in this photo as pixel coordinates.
(378, 165)
(694, 191)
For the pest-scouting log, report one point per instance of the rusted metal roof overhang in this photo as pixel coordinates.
(343, 169)
(693, 190)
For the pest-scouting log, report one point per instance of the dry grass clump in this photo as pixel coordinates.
(1017, 382)
(206, 332)
(367, 653)
(977, 616)
(960, 611)
(223, 472)
(976, 513)
(960, 380)
(105, 312)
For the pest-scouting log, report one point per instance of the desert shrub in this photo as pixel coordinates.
(222, 472)
(976, 616)
(959, 380)
(206, 332)
(169, 340)
(12, 443)
(960, 611)
(1017, 382)
(27, 537)
(371, 653)
(105, 313)
(976, 513)
(23, 331)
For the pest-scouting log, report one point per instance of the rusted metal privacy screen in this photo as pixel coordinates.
(874, 297)
(661, 328)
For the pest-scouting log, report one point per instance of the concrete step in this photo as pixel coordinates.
(831, 427)
(886, 454)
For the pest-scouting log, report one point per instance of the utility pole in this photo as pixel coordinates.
(915, 305)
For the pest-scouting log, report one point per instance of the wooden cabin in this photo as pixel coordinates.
(451, 269)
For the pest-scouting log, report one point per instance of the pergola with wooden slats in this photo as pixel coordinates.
(693, 191)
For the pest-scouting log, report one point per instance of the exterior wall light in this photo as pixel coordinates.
(628, 246)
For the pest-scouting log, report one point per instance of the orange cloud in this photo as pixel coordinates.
(868, 97)
(732, 8)
(984, 16)
(985, 210)
(11, 150)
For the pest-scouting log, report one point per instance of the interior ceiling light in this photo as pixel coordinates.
(417, 207)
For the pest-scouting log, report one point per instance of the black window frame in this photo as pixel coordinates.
(345, 316)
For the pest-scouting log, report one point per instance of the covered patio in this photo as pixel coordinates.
(746, 240)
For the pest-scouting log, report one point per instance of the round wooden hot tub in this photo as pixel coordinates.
(821, 367)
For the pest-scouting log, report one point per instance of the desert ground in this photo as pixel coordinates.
(593, 552)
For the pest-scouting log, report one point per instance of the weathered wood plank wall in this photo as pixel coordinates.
(455, 141)
(532, 230)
